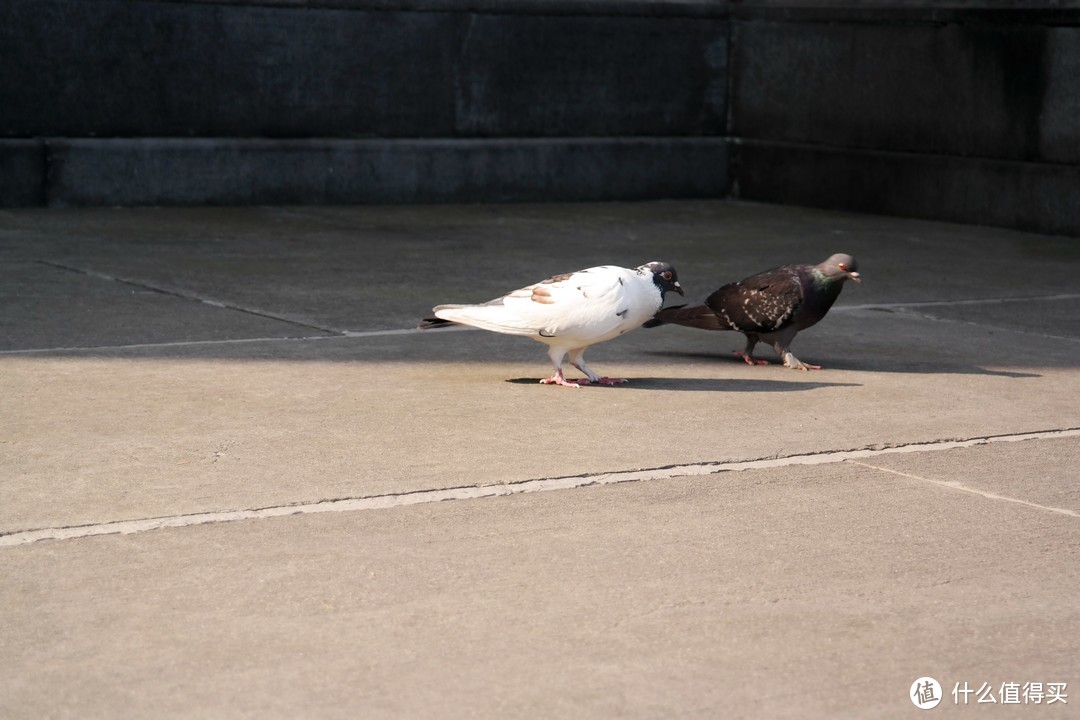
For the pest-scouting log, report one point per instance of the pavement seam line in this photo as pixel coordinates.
(230, 341)
(951, 303)
(982, 325)
(184, 295)
(911, 309)
(953, 485)
(474, 492)
(338, 334)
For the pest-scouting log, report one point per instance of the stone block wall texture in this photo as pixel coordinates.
(965, 111)
(143, 102)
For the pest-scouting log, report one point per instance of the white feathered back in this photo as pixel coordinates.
(584, 307)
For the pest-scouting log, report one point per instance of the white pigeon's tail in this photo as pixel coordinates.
(494, 316)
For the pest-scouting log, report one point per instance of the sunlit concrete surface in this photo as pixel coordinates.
(238, 484)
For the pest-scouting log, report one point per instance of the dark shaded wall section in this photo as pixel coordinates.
(967, 113)
(124, 102)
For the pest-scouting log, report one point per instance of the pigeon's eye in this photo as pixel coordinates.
(842, 266)
(666, 276)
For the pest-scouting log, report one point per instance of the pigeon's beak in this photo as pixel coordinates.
(678, 288)
(855, 276)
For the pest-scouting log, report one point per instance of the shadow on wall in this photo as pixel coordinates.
(963, 113)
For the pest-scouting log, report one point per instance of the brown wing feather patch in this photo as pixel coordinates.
(541, 294)
(556, 278)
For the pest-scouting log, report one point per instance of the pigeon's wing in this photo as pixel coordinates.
(762, 303)
(575, 303)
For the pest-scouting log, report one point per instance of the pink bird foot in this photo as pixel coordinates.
(558, 379)
(749, 359)
(612, 381)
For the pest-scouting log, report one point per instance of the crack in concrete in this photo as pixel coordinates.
(908, 312)
(185, 295)
(475, 492)
(178, 343)
(337, 333)
(344, 334)
(949, 303)
(955, 485)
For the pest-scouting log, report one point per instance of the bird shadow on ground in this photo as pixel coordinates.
(902, 365)
(704, 384)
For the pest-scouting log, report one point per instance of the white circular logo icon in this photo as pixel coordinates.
(925, 693)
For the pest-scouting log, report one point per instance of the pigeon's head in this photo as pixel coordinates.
(664, 276)
(842, 266)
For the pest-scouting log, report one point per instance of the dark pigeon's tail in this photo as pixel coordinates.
(435, 324)
(659, 318)
(662, 316)
(696, 316)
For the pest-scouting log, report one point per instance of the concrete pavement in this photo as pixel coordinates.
(710, 540)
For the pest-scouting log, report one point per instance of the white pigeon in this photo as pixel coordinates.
(568, 313)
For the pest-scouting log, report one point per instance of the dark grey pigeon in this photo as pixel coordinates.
(772, 306)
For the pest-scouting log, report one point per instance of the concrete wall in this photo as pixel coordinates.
(966, 111)
(142, 102)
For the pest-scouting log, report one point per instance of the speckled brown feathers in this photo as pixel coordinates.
(772, 306)
(763, 303)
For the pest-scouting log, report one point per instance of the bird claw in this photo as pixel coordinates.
(750, 359)
(560, 380)
(796, 364)
(566, 382)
